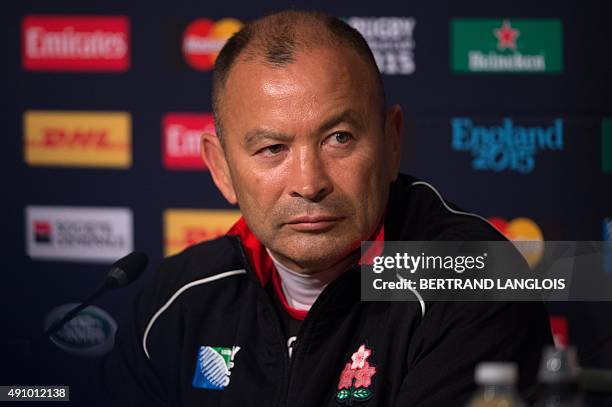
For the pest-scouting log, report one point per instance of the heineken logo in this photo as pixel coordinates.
(513, 46)
(356, 378)
(506, 36)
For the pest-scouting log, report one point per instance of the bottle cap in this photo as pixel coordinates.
(558, 365)
(496, 373)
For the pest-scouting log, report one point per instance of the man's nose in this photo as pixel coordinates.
(308, 177)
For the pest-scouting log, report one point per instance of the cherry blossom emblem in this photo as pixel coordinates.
(356, 378)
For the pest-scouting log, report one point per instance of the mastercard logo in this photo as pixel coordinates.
(526, 236)
(204, 38)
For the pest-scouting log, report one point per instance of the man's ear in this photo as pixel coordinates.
(214, 157)
(394, 126)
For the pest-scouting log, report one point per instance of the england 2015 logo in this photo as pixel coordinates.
(507, 146)
(213, 367)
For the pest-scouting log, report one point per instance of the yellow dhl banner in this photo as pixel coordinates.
(77, 139)
(185, 227)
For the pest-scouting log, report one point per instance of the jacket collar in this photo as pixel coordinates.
(264, 268)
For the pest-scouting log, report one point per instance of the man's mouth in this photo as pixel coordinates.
(320, 223)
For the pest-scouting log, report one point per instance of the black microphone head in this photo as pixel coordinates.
(127, 269)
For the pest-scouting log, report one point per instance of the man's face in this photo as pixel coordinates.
(307, 155)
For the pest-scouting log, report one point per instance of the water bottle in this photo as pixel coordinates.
(496, 386)
(558, 379)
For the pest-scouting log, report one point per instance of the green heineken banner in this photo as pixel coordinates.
(506, 46)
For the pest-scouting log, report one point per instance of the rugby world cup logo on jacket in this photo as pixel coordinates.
(213, 367)
(356, 378)
(507, 146)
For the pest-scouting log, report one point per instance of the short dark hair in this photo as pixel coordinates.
(276, 38)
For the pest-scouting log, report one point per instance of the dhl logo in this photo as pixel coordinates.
(185, 227)
(77, 139)
(97, 138)
(196, 235)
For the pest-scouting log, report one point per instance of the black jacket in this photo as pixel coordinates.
(206, 333)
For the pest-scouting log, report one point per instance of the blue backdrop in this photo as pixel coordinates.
(566, 194)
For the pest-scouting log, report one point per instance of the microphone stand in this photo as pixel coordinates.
(54, 327)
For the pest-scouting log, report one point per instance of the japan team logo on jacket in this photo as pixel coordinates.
(356, 378)
(213, 367)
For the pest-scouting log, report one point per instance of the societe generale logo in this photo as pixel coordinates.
(181, 135)
(185, 227)
(75, 43)
(203, 39)
(526, 236)
(77, 139)
(69, 233)
(42, 231)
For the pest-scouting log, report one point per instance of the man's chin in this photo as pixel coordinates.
(314, 252)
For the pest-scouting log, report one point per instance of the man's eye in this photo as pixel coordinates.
(340, 137)
(272, 150)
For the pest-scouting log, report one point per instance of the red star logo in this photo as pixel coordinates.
(506, 36)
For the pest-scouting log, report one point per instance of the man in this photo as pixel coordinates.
(270, 315)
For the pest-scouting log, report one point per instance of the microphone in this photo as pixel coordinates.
(126, 270)
(123, 272)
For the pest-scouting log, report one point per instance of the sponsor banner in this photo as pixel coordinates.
(185, 227)
(77, 139)
(91, 333)
(75, 43)
(203, 39)
(391, 40)
(523, 230)
(90, 234)
(505, 146)
(181, 135)
(606, 146)
(506, 46)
